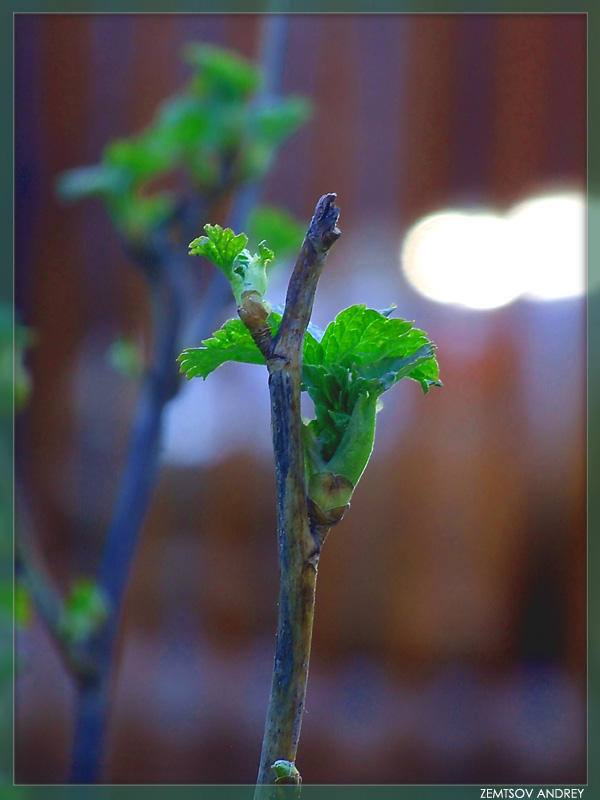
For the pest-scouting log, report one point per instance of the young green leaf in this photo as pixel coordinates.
(362, 352)
(375, 345)
(245, 272)
(232, 342)
(221, 246)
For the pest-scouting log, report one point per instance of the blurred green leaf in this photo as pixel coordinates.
(136, 215)
(182, 121)
(84, 612)
(6, 601)
(95, 181)
(283, 232)
(221, 72)
(125, 355)
(213, 130)
(254, 161)
(16, 391)
(23, 606)
(275, 123)
(141, 157)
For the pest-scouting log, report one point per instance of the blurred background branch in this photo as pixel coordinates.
(223, 130)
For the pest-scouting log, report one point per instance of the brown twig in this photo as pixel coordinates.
(299, 541)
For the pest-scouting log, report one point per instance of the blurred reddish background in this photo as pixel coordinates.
(450, 627)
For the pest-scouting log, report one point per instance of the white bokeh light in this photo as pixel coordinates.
(549, 236)
(482, 260)
(458, 257)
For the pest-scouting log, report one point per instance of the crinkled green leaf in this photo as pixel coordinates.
(232, 342)
(376, 345)
(362, 352)
(253, 270)
(221, 246)
(313, 351)
(426, 373)
(246, 272)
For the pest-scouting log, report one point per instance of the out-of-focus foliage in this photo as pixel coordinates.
(125, 356)
(84, 611)
(6, 566)
(213, 131)
(23, 608)
(19, 390)
(281, 230)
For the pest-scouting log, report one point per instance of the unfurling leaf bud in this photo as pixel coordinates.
(286, 772)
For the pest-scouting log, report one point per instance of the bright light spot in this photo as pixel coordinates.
(550, 244)
(482, 260)
(457, 257)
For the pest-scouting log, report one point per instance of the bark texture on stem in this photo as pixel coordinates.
(299, 545)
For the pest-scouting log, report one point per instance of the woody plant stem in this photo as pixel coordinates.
(300, 538)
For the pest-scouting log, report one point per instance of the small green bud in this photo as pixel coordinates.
(286, 772)
(330, 491)
(85, 611)
(125, 355)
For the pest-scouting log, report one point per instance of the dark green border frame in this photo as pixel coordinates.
(6, 293)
